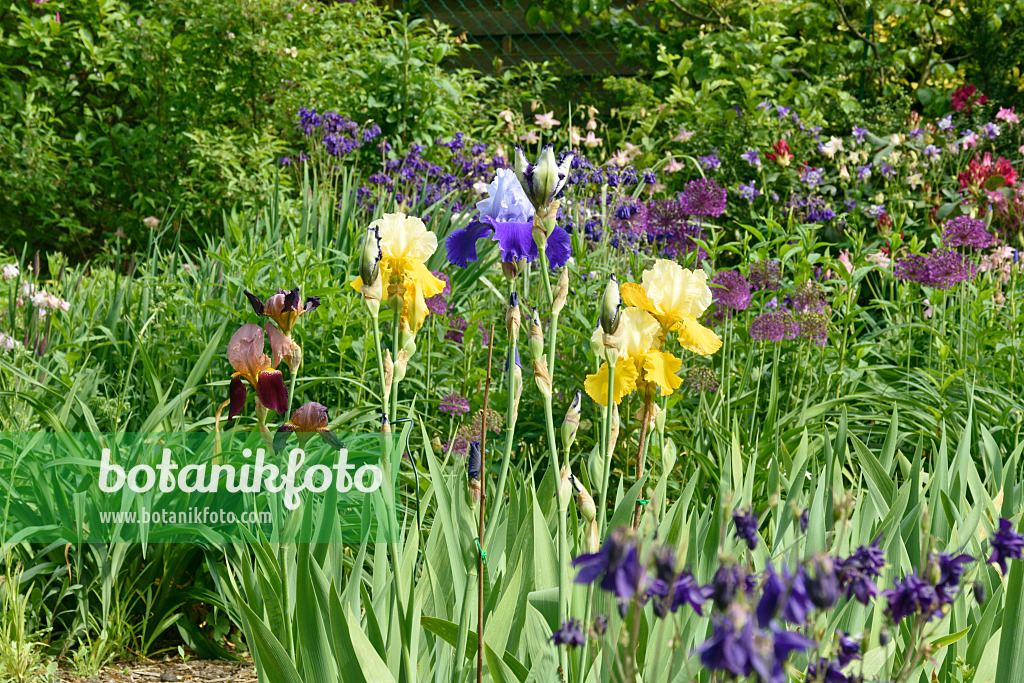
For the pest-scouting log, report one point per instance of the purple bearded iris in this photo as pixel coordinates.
(506, 215)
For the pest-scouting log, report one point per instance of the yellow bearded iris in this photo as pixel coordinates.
(405, 245)
(641, 366)
(676, 297)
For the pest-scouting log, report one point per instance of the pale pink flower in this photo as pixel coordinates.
(632, 150)
(1008, 115)
(592, 140)
(880, 259)
(506, 116)
(546, 121)
(683, 135)
(530, 138)
(970, 141)
(620, 158)
(674, 166)
(928, 310)
(844, 258)
(592, 124)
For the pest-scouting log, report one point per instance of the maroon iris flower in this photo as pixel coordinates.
(245, 353)
(308, 420)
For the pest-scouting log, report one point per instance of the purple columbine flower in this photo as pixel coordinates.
(616, 564)
(784, 596)
(749, 191)
(932, 152)
(775, 326)
(570, 634)
(765, 105)
(1006, 544)
(864, 172)
(990, 130)
(746, 526)
(849, 649)
(811, 176)
(858, 571)
(859, 133)
(751, 157)
(686, 590)
(875, 210)
(945, 123)
(703, 197)
(783, 111)
(728, 649)
(726, 581)
(506, 215)
(709, 162)
(951, 569)
(911, 596)
(964, 231)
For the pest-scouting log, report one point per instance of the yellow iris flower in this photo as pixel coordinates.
(641, 366)
(405, 245)
(676, 297)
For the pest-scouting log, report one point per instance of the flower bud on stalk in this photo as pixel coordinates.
(473, 463)
(610, 307)
(369, 271)
(536, 338)
(511, 268)
(517, 387)
(572, 421)
(401, 364)
(513, 318)
(561, 291)
(543, 180)
(565, 488)
(389, 372)
(614, 435)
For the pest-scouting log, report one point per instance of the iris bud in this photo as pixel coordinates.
(513, 318)
(610, 307)
(536, 339)
(561, 291)
(543, 180)
(572, 421)
(369, 260)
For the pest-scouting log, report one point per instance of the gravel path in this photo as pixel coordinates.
(197, 671)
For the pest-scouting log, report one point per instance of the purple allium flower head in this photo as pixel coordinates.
(570, 634)
(749, 191)
(939, 269)
(765, 274)
(732, 290)
(746, 526)
(709, 162)
(703, 197)
(911, 596)
(1006, 544)
(809, 295)
(814, 326)
(774, 326)
(751, 157)
(849, 649)
(859, 133)
(964, 231)
(454, 404)
(701, 378)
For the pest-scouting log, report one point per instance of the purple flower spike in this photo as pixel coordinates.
(570, 634)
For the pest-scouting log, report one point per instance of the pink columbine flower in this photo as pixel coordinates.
(674, 166)
(546, 121)
(928, 310)
(620, 158)
(530, 138)
(592, 140)
(844, 258)
(683, 135)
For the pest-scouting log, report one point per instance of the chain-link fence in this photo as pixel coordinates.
(507, 39)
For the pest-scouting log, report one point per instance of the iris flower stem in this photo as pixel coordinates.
(506, 456)
(602, 508)
(380, 364)
(641, 455)
(563, 554)
(394, 359)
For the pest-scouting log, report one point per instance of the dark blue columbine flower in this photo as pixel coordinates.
(951, 568)
(727, 580)
(858, 571)
(849, 649)
(1007, 544)
(787, 593)
(822, 582)
(617, 564)
(825, 671)
(570, 635)
(911, 596)
(727, 649)
(506, 215)
(686, 590)
(746, 526)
